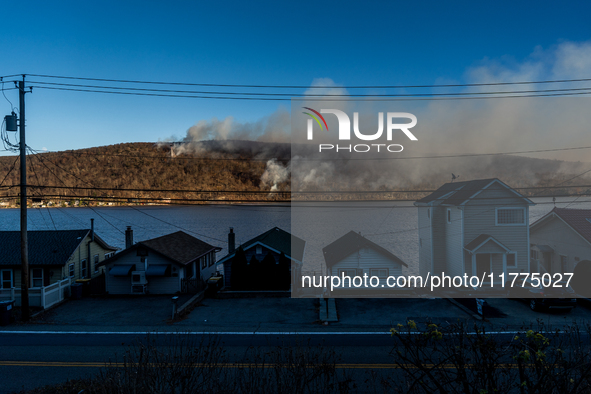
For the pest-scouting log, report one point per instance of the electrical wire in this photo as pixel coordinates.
(10, 170)
(308, 86)
(174, 225)
(564, 90)
(80, 153)
(12, 108)
(265, 192)
(344, 99)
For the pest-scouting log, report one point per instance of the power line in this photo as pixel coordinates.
(327, 159)
(9, 171)
(167, 200)
(313, 98)
(39, 186)
(311, 94)
(308, 86)
(174, 225)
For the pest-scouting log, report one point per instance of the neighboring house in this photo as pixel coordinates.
(159, 265)
(270, 261)
(53, 256)
(354, 255)
(560, 240)
(474, 227)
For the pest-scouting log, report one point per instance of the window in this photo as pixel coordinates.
(259, 249)
(510, 216)
(37, 277)
(5, 279)
(203, 262)
(379, 272)
(109, 255)
(211, 260)
(448, 215)
(428, 213)
(71, 270)
(83, 269)
(348, 272)
(512, 260)
(96, 260)
(534, 254)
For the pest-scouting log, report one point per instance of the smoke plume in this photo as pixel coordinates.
(444, 128)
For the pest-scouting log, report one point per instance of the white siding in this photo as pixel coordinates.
(453, 242)
(209, 271)
(479, 218)
(425, 241)
(564, 240)
(439, 223)
(365, 260)
(122, 285)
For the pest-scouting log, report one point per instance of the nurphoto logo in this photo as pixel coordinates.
(344, 130)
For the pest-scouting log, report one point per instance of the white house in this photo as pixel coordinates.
(560, 240)
(354, 255)
(163, 265)
(474, 227)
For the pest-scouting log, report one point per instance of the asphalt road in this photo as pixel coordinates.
(33, 359)
(68, 342)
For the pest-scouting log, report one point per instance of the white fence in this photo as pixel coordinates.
(43, 297)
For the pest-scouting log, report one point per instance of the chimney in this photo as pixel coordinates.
(128, 237)
(231, 241)
(91, 230)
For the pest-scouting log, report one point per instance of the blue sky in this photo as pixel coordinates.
(351, 43)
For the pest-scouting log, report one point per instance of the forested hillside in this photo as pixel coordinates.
(255, 171)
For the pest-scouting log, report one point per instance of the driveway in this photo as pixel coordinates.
(253, 314)
(385, 313)
(104, 313)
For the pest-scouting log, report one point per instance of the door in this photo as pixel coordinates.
(483, 264)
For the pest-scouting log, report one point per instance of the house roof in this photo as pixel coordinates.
(458, 193)
(278, 240)
(179, 247)
(46, 248)
(577, 219)
(351, 243)
(480, 240)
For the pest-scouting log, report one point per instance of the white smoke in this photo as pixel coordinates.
(444, 128)
(275, 174)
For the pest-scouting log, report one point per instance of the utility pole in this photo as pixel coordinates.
(26, 313)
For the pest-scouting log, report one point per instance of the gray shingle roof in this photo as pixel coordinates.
(179, 247)
(578, 219)
(457, 193)
(461, 191)
(46, 248)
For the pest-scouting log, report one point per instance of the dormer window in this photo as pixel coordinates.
(259, 249)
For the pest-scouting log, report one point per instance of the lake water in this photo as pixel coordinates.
(392, 225)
